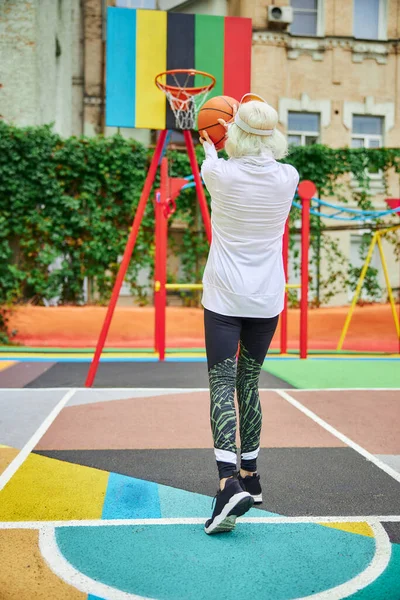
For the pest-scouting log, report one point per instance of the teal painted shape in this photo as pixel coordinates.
(387, 586)
(181, 562)
(130, 498)
(181, 504)
(177, 503)
(121, 67)
(90, 597)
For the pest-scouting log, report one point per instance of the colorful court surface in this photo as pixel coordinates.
(104, 491)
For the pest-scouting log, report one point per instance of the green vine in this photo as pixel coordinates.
(66, 206)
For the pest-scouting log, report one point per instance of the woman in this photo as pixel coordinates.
(243, 290)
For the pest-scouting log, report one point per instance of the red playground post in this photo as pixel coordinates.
(160, 267)
(284, 314)
(199, 186)
(306, 191)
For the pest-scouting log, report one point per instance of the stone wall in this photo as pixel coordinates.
(36, 63)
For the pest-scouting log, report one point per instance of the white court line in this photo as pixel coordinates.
(63, 569)
(171, 390)
(319, 520)
(383, 551)
(30, 445)
(354, 389)
(112, 389)
(370, 457)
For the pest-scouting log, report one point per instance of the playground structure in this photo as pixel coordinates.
(165, 198)
(376, 241)
(165, 204)
(349, 214)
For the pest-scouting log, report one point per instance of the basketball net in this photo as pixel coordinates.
(185, 101)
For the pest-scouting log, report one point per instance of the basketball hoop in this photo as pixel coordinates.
(184, 97)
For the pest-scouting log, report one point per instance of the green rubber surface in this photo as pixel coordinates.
(336, 373)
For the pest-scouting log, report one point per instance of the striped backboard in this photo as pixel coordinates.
(142, 43)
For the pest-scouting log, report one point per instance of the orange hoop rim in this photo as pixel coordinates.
(189, 91)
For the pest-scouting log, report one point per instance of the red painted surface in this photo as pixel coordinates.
(174, 421)
(369, 417)
(127, 257)
(372, 327)
(237, 56)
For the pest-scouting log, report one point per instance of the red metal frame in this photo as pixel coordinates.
(127, 257)
(166, 198)
(160, 271)
(199, 186)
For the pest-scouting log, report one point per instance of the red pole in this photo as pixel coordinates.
(306, 191)
(157, 224)
(127, 256)
(199, 186)
(160, 294)
(284, 314)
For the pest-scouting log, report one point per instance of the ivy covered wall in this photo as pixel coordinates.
(66, 206)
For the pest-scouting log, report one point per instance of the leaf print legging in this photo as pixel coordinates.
(228, 370)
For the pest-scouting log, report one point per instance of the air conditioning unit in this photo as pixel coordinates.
(280, 15)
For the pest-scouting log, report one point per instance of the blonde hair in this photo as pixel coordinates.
(261, 116)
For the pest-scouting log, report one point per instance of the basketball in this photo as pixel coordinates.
(219, 107)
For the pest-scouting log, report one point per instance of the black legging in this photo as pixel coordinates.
(223, 336)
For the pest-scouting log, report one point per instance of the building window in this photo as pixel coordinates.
(369, 19)
(307, 17)
(367, 132)
(136, 4)
(303, 128)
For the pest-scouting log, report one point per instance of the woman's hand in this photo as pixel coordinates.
(226, 124)
(204, 137)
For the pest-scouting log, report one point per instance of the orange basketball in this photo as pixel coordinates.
(219, 107)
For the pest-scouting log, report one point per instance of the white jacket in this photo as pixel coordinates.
(250, 202)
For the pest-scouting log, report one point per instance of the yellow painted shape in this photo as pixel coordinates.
(151, 59)
(24, 574)
(358, 528)
(46, 489)
(4, 364)
(7, 455)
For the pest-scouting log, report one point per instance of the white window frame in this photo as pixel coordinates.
(320, 21)
(305, 104)
(304, 134)
(367, 137)
(382, 22)
(136, 4)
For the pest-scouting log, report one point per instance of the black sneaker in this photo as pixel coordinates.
(231, 502)
(251, 484)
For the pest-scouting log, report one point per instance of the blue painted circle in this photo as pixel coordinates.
(181, 562)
